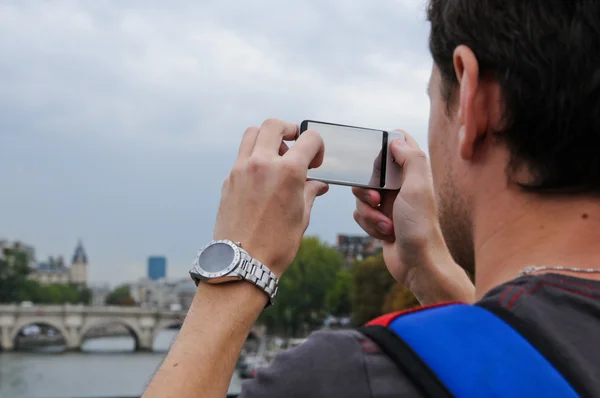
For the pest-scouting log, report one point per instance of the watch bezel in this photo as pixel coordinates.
(227, 270)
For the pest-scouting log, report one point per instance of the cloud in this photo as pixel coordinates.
(119, 120)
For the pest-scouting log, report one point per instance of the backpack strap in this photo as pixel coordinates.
(460, 350)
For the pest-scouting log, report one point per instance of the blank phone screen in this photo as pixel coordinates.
(351, 153)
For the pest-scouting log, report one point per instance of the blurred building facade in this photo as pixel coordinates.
(55, 270)
(163, 294)
(357, 247)
(99, 294)
(27, 249)
(157, 267)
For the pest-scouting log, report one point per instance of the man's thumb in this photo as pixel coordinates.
(410, 158)
(312, 190)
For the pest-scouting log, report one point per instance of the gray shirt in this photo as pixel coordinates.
(561, 313)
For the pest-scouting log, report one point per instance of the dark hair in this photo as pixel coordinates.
(545, 55)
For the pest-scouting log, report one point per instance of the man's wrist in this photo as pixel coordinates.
(209, 343)
(438, 278)
(226, 306)
(236, 296)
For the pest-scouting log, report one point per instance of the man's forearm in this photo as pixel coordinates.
(439, 279)
(203, 357)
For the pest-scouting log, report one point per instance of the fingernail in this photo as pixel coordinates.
(383, 227)
(400, 142)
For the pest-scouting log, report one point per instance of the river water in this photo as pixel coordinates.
(106, 367)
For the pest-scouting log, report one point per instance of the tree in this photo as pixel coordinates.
(371, 283)
(85, 295)
(14, 269)
(54, 293)
(399, 298)
(302, 299)
(120, 296)
(338, 299)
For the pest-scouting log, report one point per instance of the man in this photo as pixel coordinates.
(514, 132)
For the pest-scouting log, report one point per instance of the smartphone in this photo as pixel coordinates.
(356, 156)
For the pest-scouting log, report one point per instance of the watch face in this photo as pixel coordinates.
(218, 258)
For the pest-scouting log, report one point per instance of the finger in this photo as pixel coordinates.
(248, 141)
(370, 196)
(376, 173)
(374, 222)
(415, 165)
(409, 139)
(313, 189)
(308, 150)
(272, 133)
(283, 148)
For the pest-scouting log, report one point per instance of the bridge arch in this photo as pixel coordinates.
(166, 324)
(133, 329)
(21, 324)
(162, 338)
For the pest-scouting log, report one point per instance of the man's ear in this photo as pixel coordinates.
(471, 112)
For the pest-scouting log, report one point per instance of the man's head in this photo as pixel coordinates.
(515, 104)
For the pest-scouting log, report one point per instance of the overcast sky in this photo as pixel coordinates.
(119, 120)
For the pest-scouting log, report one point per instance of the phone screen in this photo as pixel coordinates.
(354, 156)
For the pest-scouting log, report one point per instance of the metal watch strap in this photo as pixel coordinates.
(254, 271)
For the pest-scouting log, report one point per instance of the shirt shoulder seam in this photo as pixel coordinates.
(363, 360)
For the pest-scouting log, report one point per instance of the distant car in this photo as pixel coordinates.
(26, 304)
(31, 330)
(333, 322)
(250, 364)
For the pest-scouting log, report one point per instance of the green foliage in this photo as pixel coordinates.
(85, 296)
(54, 293)
(317, 285)
(338, 299)
(371, 283)
(399, 298)
(13, 274)
(302, 300)
(120, 296)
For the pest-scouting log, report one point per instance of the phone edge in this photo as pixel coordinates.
(348, 184)
(384, 154)
(304, 126)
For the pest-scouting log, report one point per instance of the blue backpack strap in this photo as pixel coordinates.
(466, 351)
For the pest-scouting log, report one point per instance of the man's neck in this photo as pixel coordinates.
(514, 231)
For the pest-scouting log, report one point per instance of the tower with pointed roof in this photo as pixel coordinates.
(79, 266)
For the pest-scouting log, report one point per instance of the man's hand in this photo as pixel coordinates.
(266, 203)
(266, 200)
(406, 222)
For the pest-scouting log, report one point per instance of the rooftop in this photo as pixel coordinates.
(79, 257)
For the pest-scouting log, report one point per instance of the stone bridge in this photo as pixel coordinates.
(75, 321)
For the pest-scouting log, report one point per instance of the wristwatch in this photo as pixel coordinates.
(225, 261)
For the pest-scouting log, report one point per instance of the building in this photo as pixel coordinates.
(79, 266)
(99, 295)
(157, 268)
(185, 291)
(29, 250)
(51, 271)
(357, 247)
(54, 270)
(149, 293)
(163, 293)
